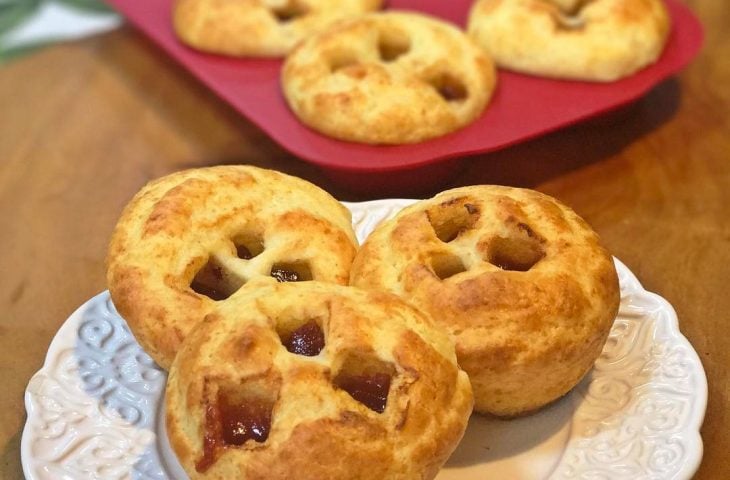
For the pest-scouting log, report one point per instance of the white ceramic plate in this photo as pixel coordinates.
(95, 408)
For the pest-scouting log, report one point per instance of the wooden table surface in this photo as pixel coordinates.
(85, 125)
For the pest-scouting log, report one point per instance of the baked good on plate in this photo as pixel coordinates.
(388, 78)
(316, 381)
(596, 40)
(190, 240)
(258, 28)
(519, 281)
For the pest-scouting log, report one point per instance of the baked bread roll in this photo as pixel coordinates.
(388, 78)
(595, 40)
(519, 281)
(190, 240)
(316, 381)
(258, 28)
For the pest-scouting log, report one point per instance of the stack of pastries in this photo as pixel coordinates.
(294, 353)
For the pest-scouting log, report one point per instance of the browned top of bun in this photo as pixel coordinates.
(316, 429)
(258, 28)
(519, 280)
(391, 78)
(598, 40)
(193, 227)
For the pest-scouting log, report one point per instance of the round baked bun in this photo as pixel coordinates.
(316, 381)
(388, 78)
(518, 280)
(258, 28)
(190, 240)
(594, 40)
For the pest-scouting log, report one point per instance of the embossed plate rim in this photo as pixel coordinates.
(365, 215)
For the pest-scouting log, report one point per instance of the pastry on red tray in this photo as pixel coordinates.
(388, 78)
(519, 280)
(597, 40)
(189, 241)
(316, 381)
(258, 28)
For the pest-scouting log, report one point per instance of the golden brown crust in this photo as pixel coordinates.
(525, 332)
(388, 78)
(597, 40)
(318, 430)
(266, 28)
(175, 225)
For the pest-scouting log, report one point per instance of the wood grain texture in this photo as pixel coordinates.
(85, 125)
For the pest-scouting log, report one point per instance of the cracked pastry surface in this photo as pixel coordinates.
(388, 78)
(190, 240)
(520, 282)
(595, 40)
(376, 393)
(258, 28)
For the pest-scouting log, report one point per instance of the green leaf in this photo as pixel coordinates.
(13, 13)
(89, 5)
(8, 54)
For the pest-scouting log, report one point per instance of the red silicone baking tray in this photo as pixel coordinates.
(523, 107)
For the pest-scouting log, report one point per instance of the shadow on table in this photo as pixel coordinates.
(10, 467)
(542, 159)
